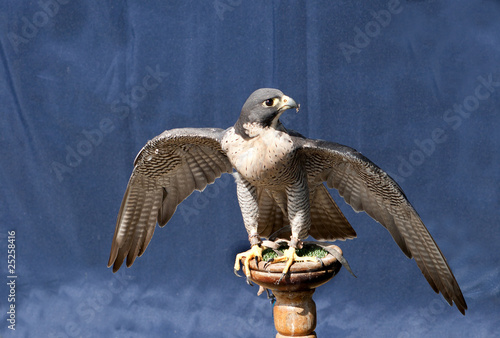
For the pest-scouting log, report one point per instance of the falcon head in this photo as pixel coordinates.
(262, 109)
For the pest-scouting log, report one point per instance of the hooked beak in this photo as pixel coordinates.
(286, 103)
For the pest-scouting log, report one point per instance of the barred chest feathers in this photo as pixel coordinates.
(262, 158)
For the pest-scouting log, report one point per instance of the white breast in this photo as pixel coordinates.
(261, 157)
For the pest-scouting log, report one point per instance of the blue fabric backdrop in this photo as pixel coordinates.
(413, 85)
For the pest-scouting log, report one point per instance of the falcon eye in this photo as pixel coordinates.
(269, 102)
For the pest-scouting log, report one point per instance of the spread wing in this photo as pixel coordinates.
(166, 171)
(368, 188)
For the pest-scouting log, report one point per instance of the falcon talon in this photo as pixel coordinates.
(270, 296)
(268, 262)
(281, 182)
(283, 275)
(249, 282)
(237, 274)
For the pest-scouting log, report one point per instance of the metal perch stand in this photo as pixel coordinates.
(295, 311)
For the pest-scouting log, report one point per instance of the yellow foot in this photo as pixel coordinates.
(254, 252)
(290, 256)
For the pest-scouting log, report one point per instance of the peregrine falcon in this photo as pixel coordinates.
(280, 178)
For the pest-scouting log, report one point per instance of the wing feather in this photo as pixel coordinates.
(166, 171)
(366, 187)
(328, 223)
